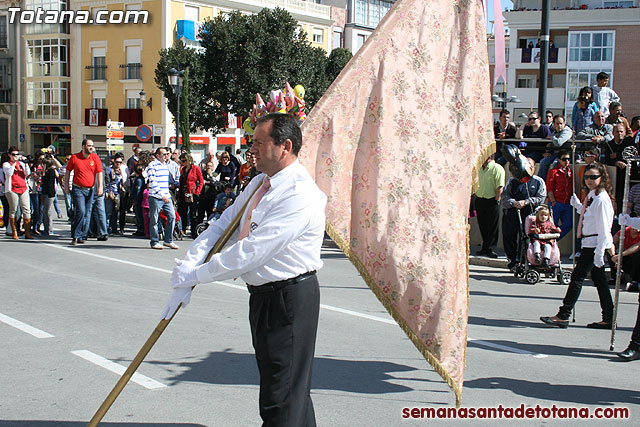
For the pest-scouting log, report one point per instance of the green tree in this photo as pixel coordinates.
(338, 58)
(181, 58)
(185, 121)
(245, 54)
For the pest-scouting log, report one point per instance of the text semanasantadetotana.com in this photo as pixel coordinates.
(520, 412)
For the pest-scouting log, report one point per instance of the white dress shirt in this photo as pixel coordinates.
(287, 230)
(596, 224)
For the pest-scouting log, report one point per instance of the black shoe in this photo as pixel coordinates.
(545, 263)
(103, 238)
(481, 252)
(74, 242)
(558, 323)
(599, 325)
(629, 354)
(492, 254)
(80, 241)
(138, 234)
(632, 287)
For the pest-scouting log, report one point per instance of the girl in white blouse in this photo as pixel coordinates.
(594, 226)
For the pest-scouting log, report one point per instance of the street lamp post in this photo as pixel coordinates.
(175, 81)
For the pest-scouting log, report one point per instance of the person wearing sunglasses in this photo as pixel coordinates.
(15, 175)
(534, 128)
(559, 190)
(594, 226)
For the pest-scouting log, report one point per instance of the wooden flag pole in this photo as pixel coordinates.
(155, 335)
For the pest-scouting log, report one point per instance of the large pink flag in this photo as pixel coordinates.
(394, 143)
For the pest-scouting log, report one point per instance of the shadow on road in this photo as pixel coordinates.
(356, 376)
(582, 394)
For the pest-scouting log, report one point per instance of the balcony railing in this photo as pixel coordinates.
(96, 72)
(5, 96)
(103, 114)
(130, 71)
(130, 116)
(533, 55)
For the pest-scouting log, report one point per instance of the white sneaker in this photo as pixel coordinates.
(171, 245)
(157, 246)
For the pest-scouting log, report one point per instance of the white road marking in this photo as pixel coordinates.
(24, 327)
(506, 348)
(324, 306)
(116, 368)
(357, 314)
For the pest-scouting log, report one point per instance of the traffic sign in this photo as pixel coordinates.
(114, 125)
(115, 134)
(22, 137)
(144, 133)
(115, 147)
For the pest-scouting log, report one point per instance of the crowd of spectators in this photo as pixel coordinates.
(600, 130)
(166, 192)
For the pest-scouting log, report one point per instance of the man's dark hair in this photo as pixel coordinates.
(283, 126)
(562, 153)
(118, 156)
(504, 111)
(549, 112)
(228, 149)
(614, 104)
(84, 141)
(559, 116)
(160, 148)
(602, 75)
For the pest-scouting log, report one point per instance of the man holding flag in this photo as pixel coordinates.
(276, 252)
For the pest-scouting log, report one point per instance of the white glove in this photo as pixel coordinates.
(575, 202)
(623, 219)
(178, 296)
(598, 262)
(183, 274)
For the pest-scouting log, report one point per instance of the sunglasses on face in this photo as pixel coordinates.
(565, 159)
(589, 155)
(593, 177)
(533, 118)
(14, 154)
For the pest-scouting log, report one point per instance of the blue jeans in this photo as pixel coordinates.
(35, 210)
(155, 206)
(562, 217)
(68, 206)
(112, 215)
(137, 208)
(82, 199)
(98, 217)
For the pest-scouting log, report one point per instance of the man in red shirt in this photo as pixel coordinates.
(559, 190)
(630, 258)
(86, 166)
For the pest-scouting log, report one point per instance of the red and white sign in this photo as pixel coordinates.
(115, 134)
(196, 139)
(233, 121)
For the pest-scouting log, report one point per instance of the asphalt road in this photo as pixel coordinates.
(93, 306)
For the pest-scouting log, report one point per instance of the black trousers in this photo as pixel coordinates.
(488, 213)
(630, 266)
(510, 230)
(599, 277)
(635, 336)
(284, 323)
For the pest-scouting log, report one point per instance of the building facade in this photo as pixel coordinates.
(588, 36)
(115, 63)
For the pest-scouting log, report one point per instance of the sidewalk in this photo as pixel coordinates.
(501, 261)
